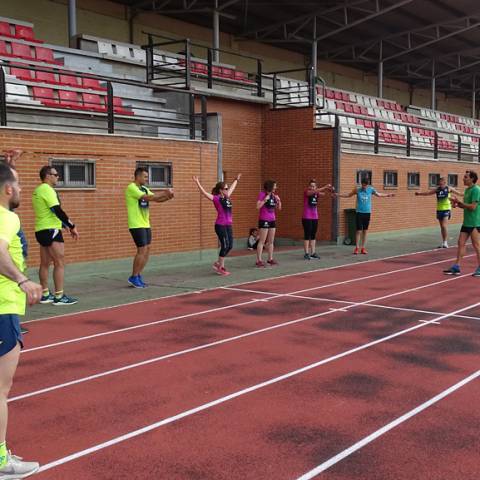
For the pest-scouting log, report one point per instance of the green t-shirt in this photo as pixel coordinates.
(44, 198)
(471, 218)
(137, 210)
(12, 299)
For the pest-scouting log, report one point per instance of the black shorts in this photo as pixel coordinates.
(267, 224)
(141, 236)
(362, 221)
(441, 214)
(310, 227)
(9, 333)
(46, 237)
(469, 230)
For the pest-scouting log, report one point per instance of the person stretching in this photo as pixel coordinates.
(268, 201)
(220, 197)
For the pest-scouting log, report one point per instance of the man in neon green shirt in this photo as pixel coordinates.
(15, 290)
(444, 206)
(49, 221)
(471, 221)
(138, 197)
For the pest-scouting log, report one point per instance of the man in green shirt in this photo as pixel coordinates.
(49, 221)
(471, 222)
(15, 290)
(138, 197)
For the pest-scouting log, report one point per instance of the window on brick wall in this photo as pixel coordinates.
(452, 180)
(74, 173)
(159, 173)
(433, 179)
(364, 174)
(390, 178)
(413, 180)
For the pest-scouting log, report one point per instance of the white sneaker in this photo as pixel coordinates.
(15, 468)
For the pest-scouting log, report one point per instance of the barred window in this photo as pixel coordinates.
(74, 173)
(159, 173)
(390, 178)
(452, 180)
(413, 179)
(364, 174)
(433, 179)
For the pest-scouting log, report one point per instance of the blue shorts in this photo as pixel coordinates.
(10, 333)
(441, 214)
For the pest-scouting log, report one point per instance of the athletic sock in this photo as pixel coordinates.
(59, 294)
(45, 292)
(3, 454)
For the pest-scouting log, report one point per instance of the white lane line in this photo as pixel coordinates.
(142, 325)
(381, 431)
(344, 282)
(239, 393)
(179, 317)
(235, 284)
(424, 321)
(212, 344)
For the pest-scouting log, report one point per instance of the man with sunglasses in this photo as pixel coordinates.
(471, 222)
(49, 221)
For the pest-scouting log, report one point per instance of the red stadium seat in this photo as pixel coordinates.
(92, 84)
(360, 121)
(345, 97)
(69, 99)
(21, 73)
(348, 108)
(5, 30)
(20, 50)
(69, 80)
(241, 76)
(330, 94)
(46, 77)
(26, 33)
(118, 107)
(45, 55)
(46, 96)
(3, 49)
(92, 101)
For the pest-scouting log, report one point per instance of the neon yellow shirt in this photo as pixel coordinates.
(12, 299)
(44, 198)
(137, 210)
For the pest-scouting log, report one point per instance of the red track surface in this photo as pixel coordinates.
(277, 431)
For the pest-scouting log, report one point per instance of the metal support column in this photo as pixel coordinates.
(380, 80)
(433, 104)
(3, 99)
(314, 49)
(72, 22)
(474, 96)
(216, 33)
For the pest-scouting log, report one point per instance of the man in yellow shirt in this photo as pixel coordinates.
(49, 221)
(138, 198)
(15, 290)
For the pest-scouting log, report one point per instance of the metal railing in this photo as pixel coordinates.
(105, 115)
(408, 134)
(178, 70)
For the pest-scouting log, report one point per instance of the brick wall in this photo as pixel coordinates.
(405, 210)
(181, 224)
(295, 152)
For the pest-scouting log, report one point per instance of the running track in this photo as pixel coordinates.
(369, 371)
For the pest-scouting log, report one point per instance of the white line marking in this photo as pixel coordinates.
(395, 423)
(239, 393)
(424, 321)
(236, 284)
(166, 320)
(218, 342)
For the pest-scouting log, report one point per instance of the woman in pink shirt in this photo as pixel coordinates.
(220, 197)
(268, 201)
(310, 217)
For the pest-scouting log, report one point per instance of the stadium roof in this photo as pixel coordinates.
(415, 39)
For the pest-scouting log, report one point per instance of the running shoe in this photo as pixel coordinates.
(216, 266)
(476, 273)
(47, 298)
(260, 264)
(453, 270)
(224, 272)
(16, 468)
(23, 330)
(63, 301)
(272, 262)
(135, 281)
(142, 282)
(314, 255)
(306, 256)
(363, 251)
(355, 252)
